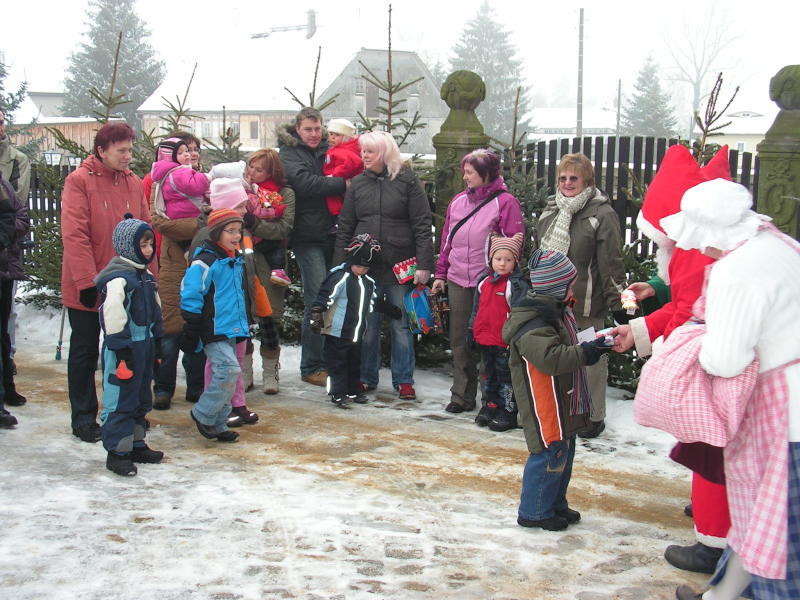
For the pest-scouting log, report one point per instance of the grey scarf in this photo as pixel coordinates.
(557, 235)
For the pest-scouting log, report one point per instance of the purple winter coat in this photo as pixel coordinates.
(463, 259)
(11, 260)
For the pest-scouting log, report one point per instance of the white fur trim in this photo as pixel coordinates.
(641, 336)
(710, 540)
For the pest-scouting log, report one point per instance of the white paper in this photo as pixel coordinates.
(587, 335)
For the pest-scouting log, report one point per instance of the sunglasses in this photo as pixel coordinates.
(571, 178)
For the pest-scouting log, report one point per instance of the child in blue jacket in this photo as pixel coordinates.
(213, 305)
(130, 316)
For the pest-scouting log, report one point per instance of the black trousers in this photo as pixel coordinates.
(84, 350)
(343, 361)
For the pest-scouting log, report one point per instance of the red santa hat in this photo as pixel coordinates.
(678, 172)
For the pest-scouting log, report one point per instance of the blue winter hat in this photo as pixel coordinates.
(127, 236)
(552, 272)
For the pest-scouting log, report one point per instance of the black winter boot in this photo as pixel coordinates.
(698, 558)
(7, 419)
(121, 464)
(144, 454)
(486, 414)
(554, 523)
(506, 416)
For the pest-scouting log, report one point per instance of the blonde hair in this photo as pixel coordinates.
(579, 163)
(386, 147)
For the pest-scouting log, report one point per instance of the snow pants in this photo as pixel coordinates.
(126, 402)
(343, 361)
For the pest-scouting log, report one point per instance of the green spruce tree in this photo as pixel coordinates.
(649, 111)
(484, 49)
(139, 72)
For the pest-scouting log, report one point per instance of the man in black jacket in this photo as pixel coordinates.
(302, 150)
(8, 236)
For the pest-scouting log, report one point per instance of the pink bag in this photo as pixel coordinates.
(676, 395)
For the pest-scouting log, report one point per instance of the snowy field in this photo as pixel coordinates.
(394, 499)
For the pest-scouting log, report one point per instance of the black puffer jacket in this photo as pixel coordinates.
(14, 215)
(396, 212)
(303, 166)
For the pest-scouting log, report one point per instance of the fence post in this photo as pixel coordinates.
(779, 154)
(460, 134)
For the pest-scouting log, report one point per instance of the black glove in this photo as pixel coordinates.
(621, 316)
(392, 311)
(249, 220)
(316, 319)
(190, 337)
(124, 364)
(158, 354)
(592, 351)
(88, 297)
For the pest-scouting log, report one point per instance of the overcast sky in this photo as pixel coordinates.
(38, 37)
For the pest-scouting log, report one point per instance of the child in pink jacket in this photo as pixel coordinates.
(184, 189)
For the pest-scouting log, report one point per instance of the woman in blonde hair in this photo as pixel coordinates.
(388, 202)
(580, 222)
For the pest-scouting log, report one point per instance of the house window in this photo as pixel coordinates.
(235, 128)
(207, 131)
(253, 130)
(358, 87)
(740, 146)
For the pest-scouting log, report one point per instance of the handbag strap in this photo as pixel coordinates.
(458, 226)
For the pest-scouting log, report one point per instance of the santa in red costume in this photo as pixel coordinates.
(683, 271)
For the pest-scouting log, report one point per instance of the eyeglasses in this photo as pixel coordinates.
(233, 231)
(571, 178)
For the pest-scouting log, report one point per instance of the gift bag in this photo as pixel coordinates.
(405, 269)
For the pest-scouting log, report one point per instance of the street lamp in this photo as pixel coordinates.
(52, 158)
(73, 161)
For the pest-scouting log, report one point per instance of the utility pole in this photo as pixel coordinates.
(579, 126)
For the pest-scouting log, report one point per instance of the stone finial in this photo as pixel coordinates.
(463, 90)
(784, 88)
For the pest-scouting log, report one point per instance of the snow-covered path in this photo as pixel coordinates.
(389, 500)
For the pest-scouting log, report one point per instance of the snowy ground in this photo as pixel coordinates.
(394, 499)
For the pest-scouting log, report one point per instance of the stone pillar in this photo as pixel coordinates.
(779, 155)
(460, 134)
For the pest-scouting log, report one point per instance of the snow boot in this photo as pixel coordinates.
(121, 464)
(162, 401)
(341, 401)
(145, 454)
(359, 398)
(697, 558)
(270, 367)
(506, 416)
(554, 523)
(227, 436)
(7, 419)
(572, 516)
(486, 414)
(247, 372)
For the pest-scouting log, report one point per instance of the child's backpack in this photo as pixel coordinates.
(156, 194)
(417, 302)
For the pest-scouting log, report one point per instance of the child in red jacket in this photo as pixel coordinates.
(343, 159)
(495, 292)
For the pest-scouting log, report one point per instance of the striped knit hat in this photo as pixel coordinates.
(168, 149)
(127, 236)
(498, 242)
(551, 273)
(219, 218)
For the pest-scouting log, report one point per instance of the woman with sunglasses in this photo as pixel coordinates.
(580, 221)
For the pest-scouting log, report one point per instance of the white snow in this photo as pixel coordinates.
(387, 500)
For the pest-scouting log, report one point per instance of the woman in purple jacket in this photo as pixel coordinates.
(485, 206)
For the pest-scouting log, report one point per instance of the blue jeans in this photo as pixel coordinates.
(193, 363)
(214, 405)
(545, 480)
(313, 262)
(403, 358)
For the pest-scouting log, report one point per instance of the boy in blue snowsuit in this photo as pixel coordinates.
(130, 316)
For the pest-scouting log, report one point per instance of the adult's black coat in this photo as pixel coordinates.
(303, 166)
(396, 212)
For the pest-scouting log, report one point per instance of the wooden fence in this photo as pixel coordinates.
(622, 165)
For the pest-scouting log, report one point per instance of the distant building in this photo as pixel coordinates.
(558, 123)
(745, 131)
(356, 95)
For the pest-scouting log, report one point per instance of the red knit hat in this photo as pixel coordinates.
(678, 172)
(219, 218)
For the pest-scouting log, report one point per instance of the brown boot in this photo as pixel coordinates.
(270, 367)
